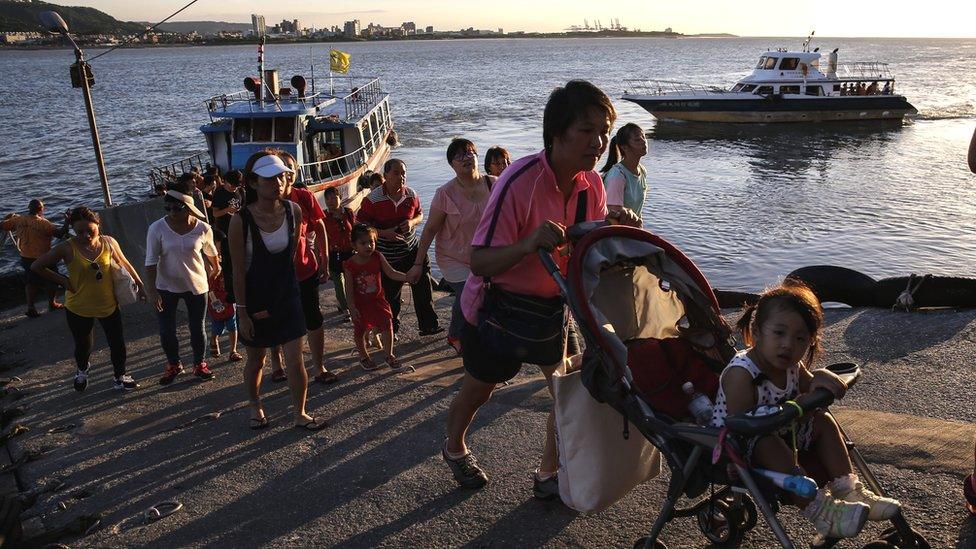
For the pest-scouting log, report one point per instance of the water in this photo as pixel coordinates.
(747, 203)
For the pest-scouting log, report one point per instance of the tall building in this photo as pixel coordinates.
(430, 29)
(297, 25)
(258, 26)
(352, 28)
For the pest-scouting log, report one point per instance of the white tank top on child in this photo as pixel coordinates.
(767, 393)
(274, 241)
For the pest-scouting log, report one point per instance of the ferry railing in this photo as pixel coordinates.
(663, 87)
(315, 172)
(359, 94)
(864, 70)
(171, 172)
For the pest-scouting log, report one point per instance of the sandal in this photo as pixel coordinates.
(396, 365)
(312, 425)
(327, 378)
(235, 356)
(368, 364)
(278, 376)
(259, 422)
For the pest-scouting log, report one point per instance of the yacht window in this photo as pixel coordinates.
(737, 87)
(762, 62)
(789, 63)
(261, 129)
(748, 87)
(770, 63)
(242, 130)
(789, 89)
(813, 90)
(764, 90)
(836, 87)
(284, 130)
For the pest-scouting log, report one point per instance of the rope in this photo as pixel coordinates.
(150, 29)
(906, 299)
(796, 450)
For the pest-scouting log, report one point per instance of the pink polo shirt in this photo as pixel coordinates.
(523, 198)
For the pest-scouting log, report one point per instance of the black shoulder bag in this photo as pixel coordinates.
(524, 327)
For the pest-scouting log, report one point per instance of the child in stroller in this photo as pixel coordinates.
(783, 330)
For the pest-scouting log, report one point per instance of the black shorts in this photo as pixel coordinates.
(482, 363)
(32, 278)
(309, 289)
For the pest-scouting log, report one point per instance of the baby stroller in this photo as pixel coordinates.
(650, 322)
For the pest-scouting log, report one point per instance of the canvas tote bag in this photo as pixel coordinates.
(597, 466)
(126, 290)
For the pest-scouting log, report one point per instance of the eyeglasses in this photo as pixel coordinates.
(501, 161)
(464, 155)
(98, 270)
(175, 206)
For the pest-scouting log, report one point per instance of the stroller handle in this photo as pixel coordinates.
(744, 424)
(553, 270)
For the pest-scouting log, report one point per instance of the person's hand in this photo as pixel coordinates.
(141, 293)
(244, 325)
(413, 275)
(826, 379)
(67, 284)
(323, 272)
(624, 216)
(152, 296)
(404, 227)
(547, 236)
(389, 234)
(261, 315)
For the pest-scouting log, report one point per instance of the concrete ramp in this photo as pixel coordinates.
(129, 224)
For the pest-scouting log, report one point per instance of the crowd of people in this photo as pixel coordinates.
(250, 248)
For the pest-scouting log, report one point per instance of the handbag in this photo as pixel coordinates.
(597, 465)
(524, 327)
(125, 287)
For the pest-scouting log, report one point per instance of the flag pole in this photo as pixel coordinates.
(311, 66)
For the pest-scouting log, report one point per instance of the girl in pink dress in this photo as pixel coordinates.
(368, 306)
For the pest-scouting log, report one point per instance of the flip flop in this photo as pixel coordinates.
(257, 423)
(327, 378)
(235, 357)
(32, 313)
(396, 365)
(368, 364)
(312, 425)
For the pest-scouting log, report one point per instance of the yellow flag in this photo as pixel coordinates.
(339, 61)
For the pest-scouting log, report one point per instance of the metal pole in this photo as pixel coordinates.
(86, 91)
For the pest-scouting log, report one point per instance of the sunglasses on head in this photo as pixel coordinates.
(175, 206)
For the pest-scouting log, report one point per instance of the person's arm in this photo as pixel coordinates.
(740, 394)
(211, 265)
(350, 293)
(821, 378)
(615, 184)
(297, 213)
(494, 261)
(124, 262)
(389, 271)
(322, 241)
(238, 253)
(972, 153)
(43, 266)
(153, 251)
(433, 227)
(152, 295)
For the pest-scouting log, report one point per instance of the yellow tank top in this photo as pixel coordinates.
(94, 295)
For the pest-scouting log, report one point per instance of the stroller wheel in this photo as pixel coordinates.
(894, 539)
(749, 514)
(658, 544)
(720, 524)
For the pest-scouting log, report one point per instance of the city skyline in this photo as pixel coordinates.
(897, 18)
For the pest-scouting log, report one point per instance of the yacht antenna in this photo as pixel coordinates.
(806, 44)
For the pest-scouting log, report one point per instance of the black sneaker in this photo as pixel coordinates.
(433, 331)
(466, 471)
(125, 383)
(81, 381)
(545, 489)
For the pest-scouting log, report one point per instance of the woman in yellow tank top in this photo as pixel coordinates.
(90, 293)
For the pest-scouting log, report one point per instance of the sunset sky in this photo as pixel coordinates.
(867, 18)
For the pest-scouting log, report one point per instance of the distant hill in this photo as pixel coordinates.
(202, 27)
(22, 16)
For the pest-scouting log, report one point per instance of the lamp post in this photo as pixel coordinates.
(81, 77)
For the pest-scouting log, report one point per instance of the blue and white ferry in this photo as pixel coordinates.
(785, 86)
(336, 134)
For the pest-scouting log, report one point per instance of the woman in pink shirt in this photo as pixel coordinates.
(453, 217)
(530, 206)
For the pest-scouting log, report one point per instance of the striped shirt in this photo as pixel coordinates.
(382, 212)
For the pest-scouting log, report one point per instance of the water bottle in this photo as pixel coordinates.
(805, 487)
(700, 405)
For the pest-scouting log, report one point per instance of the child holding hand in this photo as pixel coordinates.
(367, 302)
(783, 333)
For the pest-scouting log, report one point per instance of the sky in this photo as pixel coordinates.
(854, 18)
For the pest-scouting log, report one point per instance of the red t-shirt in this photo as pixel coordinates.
(338, 227)
(306, 262)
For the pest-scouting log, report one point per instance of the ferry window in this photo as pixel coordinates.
(242, 130)
(789, 89)
(737, 87)
(813, 90)
(789, 63)
(762, 62)
(764, 90)
(261, 129)
(749, 87)
(284, 130)
(836, 87)
(770, 63)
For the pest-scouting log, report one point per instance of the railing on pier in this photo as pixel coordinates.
(644, 86)
(171, 172)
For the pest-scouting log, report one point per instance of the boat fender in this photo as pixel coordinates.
(839, 284)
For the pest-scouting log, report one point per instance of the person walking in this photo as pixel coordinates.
(180, 257)
(530, 207)
(90, 296)
(623, 176)
(34, 233)
(263, 242)
(338, 221)
(452, 220)
(496, 160)
(394, 210)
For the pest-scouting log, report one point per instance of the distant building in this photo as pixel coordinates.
(501, 30)
(297, 25)
(352, 29)
(258, 26)
(429, 29)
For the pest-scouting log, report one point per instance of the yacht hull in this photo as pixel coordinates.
(775, 110)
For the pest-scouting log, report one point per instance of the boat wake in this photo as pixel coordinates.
(948, 112)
